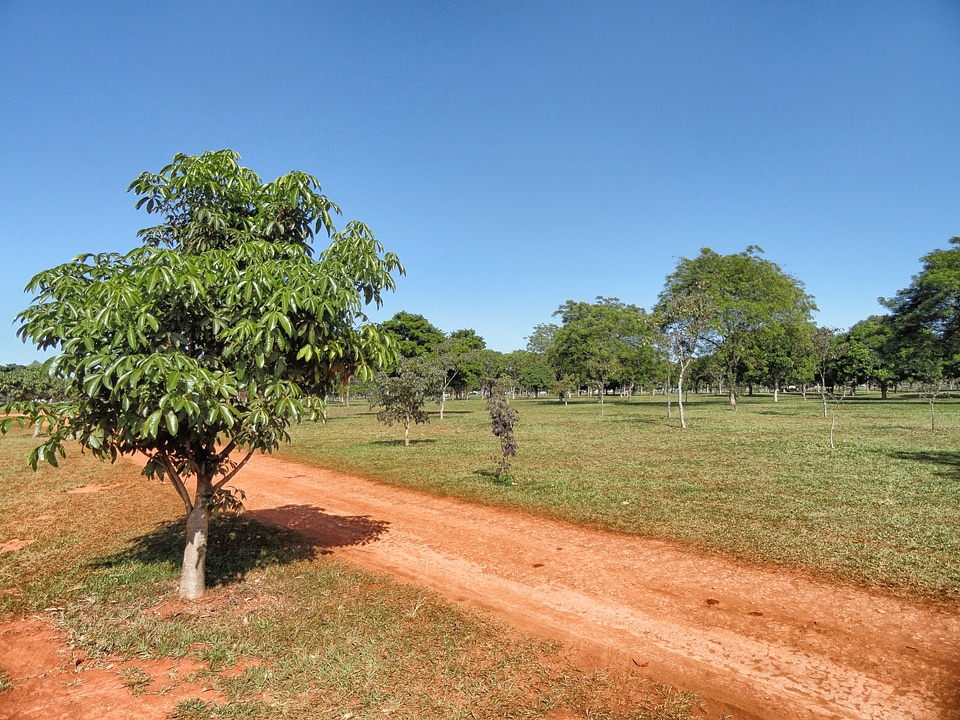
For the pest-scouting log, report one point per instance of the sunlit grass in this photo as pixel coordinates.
(760, 483)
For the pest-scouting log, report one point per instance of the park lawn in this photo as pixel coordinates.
(284, 630)
(759, 483)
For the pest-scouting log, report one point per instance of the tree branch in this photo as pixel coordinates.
(230, 475)
(175, 479)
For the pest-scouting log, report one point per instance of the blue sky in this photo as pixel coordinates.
(513, 154)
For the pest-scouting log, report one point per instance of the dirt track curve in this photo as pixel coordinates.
(755, 643)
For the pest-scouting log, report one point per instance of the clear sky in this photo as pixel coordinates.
(513, 154)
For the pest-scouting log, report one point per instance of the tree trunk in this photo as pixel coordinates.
(193, 581)
(406, 433)
(733, 397)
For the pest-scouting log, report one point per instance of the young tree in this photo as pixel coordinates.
(200, 347)
(401, 398)
(502, 420)
(685, 313)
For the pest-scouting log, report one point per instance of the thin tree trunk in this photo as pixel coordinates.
(406, 433)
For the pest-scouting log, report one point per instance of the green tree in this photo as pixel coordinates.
(728, 299)
(415, 336)
(685, 313)
(530, 371)
(783, 352)
(596, 340)
(200, 347)
(871, 354)
(401, 398)
(20, 383)
(540, 341)
(926, 318)
(503, 418)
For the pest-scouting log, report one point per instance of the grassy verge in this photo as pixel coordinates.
(760, 484)
(285, 631)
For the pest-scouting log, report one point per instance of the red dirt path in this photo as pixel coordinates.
(754, 643)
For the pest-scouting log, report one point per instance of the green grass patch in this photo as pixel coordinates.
(760, 484)
(284, 630)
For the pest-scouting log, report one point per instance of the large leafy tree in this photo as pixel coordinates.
(597, 341)
(926, 318)
(414, 334)
(204, 344)
(871, 354)
(720, 303)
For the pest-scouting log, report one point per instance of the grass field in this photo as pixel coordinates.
(284, 631)
(761, 483)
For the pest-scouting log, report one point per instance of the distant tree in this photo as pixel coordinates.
(783, 353)
(597, 339)
(415, 336)
(871, 355)
(203, 345)
(503, 418)
(529, 371)
(563, 387)
(19, 383)
(729, 298)
(401, 398)
(540, 341)
(490, 364)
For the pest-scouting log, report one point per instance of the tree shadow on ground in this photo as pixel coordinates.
(239, 544)
(323, 530)
(945, 458)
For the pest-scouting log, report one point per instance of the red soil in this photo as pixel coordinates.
(755, 643)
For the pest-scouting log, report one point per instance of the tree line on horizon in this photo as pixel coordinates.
(732, 322)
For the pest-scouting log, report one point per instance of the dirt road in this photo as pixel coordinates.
(755, 643)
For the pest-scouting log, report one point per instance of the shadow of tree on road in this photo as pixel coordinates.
(323, 530)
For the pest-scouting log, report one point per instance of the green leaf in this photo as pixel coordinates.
(152, 424)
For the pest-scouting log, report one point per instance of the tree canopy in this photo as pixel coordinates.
(202, 345)
(719, 303)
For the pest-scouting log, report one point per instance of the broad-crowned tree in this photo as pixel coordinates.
(718, 303)
(414, 334)
(595, 340)
(926, 318)
(204, 344)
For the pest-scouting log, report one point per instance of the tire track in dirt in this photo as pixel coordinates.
(755, 643)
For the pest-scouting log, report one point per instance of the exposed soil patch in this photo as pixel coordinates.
(15, 544)
(755, 643)
(92, 488)
(52, 681)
